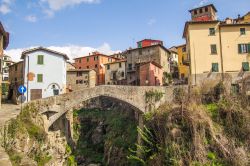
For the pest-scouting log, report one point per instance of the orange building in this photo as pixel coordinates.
(95, 61)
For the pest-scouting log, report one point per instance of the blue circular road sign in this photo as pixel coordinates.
(22, 89)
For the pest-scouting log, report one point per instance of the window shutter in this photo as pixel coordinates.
(245, 66)
(248, 48)
(239, 48)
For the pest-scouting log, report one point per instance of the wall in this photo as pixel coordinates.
(153, 53)
(82, 63)
(114, 68)
(230, 36)
(53, 70)
(152, 74)
(88, 79)
(182, 55)
(16, 79)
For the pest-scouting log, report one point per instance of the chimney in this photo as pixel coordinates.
(238, 16)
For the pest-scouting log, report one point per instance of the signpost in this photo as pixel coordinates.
(22, 89)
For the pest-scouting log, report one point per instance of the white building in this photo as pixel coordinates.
(7, 61)
(44, 73)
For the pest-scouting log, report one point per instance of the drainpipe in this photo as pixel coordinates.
(222, 67)
(27, 78)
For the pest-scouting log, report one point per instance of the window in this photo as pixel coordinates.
(40, 59)
(120, 65)
(243, 48)
(80, 60)
(87, 59)
(184, 49)
(242, 31)
(213, 49)
(215, 67)
(140, 52)
(39, 78)
(79, 74)
(87, 67)
(123, 74)
(139, 44)
(130, 66)
(96, 65)
(206, 9)
(108, 67)
(110, 59)
(245, 66)
(211, 31)
(200, 10)
(195, 12)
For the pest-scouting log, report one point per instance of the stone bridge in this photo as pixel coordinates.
(135, 96)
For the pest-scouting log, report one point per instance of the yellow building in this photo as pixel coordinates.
(217, 49)
(115, 73)
(183, 61)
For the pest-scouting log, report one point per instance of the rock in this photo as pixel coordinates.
(97, 136)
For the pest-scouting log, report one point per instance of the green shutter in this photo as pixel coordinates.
(40, 59)
(215, 67)
(248, 48)
(39, 78)
(245, 66)
(139, 45)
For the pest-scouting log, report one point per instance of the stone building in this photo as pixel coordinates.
(95, 61)
(150, 74)
(4, 41)
(217, 49)
(78, 79)
(115, 73)
(157, 53)
(15, 79)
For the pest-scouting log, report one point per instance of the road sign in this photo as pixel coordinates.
(22, 99)
(22, 89)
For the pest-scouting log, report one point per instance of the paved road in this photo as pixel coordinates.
(7, 112)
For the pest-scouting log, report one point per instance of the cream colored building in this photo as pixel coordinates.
(115, 73)
(217, 50)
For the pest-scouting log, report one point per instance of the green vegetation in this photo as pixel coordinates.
(153, 96)
(98, 132)
(24, 127)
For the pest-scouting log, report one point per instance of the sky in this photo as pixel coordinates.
(77, 27)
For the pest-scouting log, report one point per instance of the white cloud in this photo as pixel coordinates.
(4, 9)
(151, 21)
(5, 6)
(202, 3)
(31, 18)
(73, 51)
(56, 5)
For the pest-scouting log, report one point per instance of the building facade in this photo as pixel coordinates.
(7, 61)
(156, 53)
(183, 62)
(148, 42)
(96, 61)
(115, 73)
(78, 79)
(204, 13)
(44, 73)
(16, 78)
(150, 74)
(4, 41)
(217, 49)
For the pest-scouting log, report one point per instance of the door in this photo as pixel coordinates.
(35, 94)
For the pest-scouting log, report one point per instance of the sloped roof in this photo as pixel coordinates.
(43, 49)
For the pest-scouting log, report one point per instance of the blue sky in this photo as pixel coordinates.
(104, 24)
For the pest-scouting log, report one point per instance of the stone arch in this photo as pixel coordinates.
(80, 105)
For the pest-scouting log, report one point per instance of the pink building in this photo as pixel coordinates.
(150, 74)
